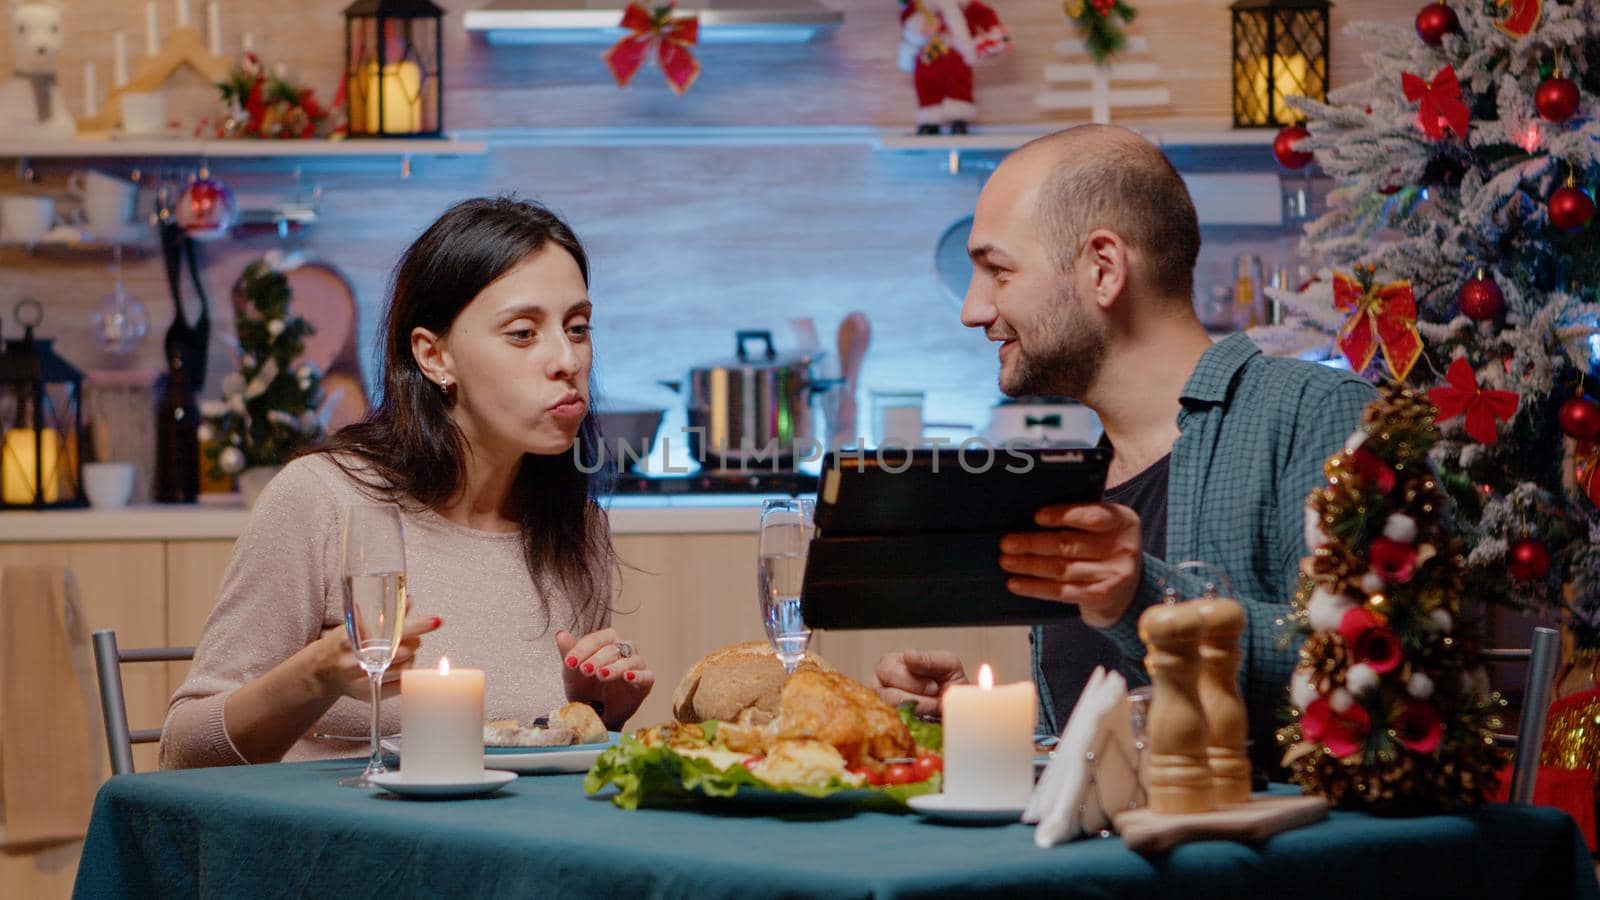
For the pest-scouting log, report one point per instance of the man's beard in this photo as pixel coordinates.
(1068, 349)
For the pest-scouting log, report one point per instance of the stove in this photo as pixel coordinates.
(717, 482)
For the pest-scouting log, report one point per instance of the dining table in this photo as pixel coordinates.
(288, 829)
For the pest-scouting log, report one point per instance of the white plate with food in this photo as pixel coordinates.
(566, 741)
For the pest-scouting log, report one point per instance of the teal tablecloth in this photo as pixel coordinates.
(288, 830)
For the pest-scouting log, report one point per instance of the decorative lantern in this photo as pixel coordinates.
(41, 398)
(1280, 49)
(393, 65)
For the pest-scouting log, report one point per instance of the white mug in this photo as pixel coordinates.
(25, 218)
(108, 484)
(107, 201)
(144, 113)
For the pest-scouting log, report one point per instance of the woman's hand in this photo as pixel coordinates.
(602, 666)
(337, 672)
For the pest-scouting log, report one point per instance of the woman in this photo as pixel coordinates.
(486, 366)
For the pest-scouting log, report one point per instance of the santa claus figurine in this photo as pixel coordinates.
(942, 39)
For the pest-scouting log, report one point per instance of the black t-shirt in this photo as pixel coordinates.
(1070, 650)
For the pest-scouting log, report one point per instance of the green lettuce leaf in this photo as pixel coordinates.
(928, 735)
(643, 773)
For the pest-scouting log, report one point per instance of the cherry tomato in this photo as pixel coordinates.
(873, 776)
(928, 765)
(900, 773)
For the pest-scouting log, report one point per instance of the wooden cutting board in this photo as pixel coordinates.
(1145, 831)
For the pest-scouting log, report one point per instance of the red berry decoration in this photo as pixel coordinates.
(1481, 299)
(1580, 418)
(1283, 147)
(1570, 209)
(1557, 99)
(1435, 21)
(1528, 559)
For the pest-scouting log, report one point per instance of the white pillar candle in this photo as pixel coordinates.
(441, 724)
(988, 741)
(183, 13)
(119, 59)
(152, 34)
(91, 91)
(214, 28)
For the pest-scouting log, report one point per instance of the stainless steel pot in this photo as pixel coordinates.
(755, 410)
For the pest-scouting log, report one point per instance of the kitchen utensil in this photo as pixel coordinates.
(628, 435)
(106, 201)
(754, 410)
(854, 335)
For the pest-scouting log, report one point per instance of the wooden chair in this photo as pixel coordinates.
(1542, 658)
(108, 660)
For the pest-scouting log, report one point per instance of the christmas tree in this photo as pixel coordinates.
(269, 408)
(1391, 710)
(1461, 260)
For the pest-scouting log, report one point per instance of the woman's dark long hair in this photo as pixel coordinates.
(410, 447)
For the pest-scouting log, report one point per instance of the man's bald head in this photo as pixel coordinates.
(1102, 176)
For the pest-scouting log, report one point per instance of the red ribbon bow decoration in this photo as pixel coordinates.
(1522, 19)
(672, 38)
(1462, 395)
(1104, 7)
(1441, 103)
(1384, 316)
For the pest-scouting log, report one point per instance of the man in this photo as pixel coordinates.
(1084, 244)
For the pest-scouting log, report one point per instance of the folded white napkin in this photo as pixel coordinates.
(1077, 794)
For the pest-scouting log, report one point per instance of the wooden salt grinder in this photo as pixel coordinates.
(1224, 709)
(1179, 778)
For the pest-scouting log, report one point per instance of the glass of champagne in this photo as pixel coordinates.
(786, 530)
(374, 576)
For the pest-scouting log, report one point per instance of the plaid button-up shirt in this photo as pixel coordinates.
(1255, 431)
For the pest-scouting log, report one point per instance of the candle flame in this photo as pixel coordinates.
(444, 665)
(985, 677)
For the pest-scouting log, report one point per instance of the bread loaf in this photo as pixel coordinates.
(730, 680)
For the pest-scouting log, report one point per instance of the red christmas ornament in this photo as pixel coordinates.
(1480, 299)
(1528, 559)
(1570, 209)
(1283, 147)
(206, 209)
(1557, 99)
(1580, 418)
(1435, 21)
(1587, 471)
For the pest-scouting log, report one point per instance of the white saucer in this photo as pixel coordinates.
(940, 807)
(492, 780)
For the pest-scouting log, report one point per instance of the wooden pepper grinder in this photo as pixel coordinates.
(1228, 723)
(1179, 778)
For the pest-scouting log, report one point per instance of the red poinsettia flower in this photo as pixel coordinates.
(1342, 733)
(1370, 640)
(1391, 559)
(1418, 727)
(1372, 470)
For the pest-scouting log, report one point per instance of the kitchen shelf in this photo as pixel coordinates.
(238, 149)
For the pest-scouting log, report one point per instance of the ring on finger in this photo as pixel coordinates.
(624, 649)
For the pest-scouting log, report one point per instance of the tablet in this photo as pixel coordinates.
(909, 539)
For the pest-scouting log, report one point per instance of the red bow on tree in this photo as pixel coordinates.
(1482, 408)
(1383, 316)
(1104, 7)
(671, 36)
(1441, 104)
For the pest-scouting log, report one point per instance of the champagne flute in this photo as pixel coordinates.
(786, 530)
(374, 576)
